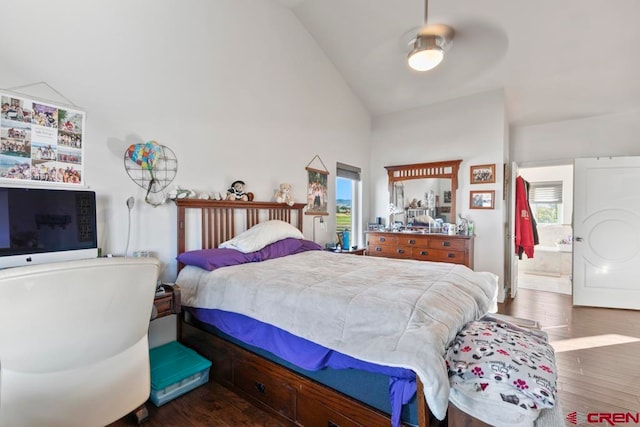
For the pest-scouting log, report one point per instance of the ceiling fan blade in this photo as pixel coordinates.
(436, 30)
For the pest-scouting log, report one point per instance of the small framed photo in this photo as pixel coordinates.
(481, 199)
(483, 174)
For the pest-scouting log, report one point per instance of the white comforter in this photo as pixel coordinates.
(390, 312)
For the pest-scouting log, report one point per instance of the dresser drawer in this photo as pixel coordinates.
(413, 240)
(312, 413)
(269, 388)
(444, 243)
(389, 251)
(382, 239)
(439, 255)
(318, 408)
(164, 305)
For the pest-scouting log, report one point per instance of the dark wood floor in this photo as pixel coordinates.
(598, 378)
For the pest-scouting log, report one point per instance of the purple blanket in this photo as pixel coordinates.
(306, 354)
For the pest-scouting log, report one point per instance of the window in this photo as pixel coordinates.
(348, 203)
(545, 199)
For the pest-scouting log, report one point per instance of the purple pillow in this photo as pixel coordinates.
(210, 259)
(279, 249)
(288, 246)
(308, 245)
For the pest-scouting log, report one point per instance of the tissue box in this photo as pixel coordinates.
(175, 370)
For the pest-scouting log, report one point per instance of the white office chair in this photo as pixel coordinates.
(73, 341)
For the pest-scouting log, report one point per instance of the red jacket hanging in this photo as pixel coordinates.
(524, 225)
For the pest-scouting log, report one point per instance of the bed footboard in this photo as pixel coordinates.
(291, 397)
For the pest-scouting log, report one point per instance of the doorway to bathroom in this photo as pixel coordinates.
(551, 201)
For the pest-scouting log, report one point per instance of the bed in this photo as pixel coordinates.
(228, 316)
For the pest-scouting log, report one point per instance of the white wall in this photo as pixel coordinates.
(237, 88)
(471, 129)
(561, 142)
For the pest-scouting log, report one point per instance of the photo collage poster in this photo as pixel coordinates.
(40, 142)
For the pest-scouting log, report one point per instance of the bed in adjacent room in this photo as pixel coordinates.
(314, 337)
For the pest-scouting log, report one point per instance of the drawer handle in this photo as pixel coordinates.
(424, 253)
(382, 239)
(400, 251)
(378, 249)
(260, 387)
(446, 243)
(412, 242)
(332, 424)
(450, 255)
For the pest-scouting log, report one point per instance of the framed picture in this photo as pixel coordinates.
(483, 174)
(317, 192)
(481, 199)
(447, 196)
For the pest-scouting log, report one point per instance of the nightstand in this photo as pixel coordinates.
(165, 323)
(168, 303)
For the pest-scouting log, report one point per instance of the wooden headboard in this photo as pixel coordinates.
(221, 220)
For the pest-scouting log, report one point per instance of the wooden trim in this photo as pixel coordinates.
(235, 204)
(324, 172)
(423, 410)
(218, 218)
(445, 169)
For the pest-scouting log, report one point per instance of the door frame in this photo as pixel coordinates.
(513, 259)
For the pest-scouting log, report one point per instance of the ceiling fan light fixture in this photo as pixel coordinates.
(426, 54)
(429, 44)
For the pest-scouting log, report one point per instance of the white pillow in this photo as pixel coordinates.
(261, 235)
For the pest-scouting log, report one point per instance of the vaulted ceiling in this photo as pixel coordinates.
(554, 59)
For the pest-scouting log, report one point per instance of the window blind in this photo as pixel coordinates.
(348, 171)
(545, 192)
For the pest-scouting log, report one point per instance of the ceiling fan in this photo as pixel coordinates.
(430, 44)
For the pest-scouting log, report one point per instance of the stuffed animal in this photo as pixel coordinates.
(236, 191)
(283, 195)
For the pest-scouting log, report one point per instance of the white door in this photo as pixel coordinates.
(606, 226)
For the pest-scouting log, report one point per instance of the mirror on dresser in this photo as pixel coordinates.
(422, 192)
(421, 233)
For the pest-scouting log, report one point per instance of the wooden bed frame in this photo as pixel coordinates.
(292, 398)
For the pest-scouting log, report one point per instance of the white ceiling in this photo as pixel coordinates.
(555, 59)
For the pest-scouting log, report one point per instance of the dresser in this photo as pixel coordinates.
(422, 247)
